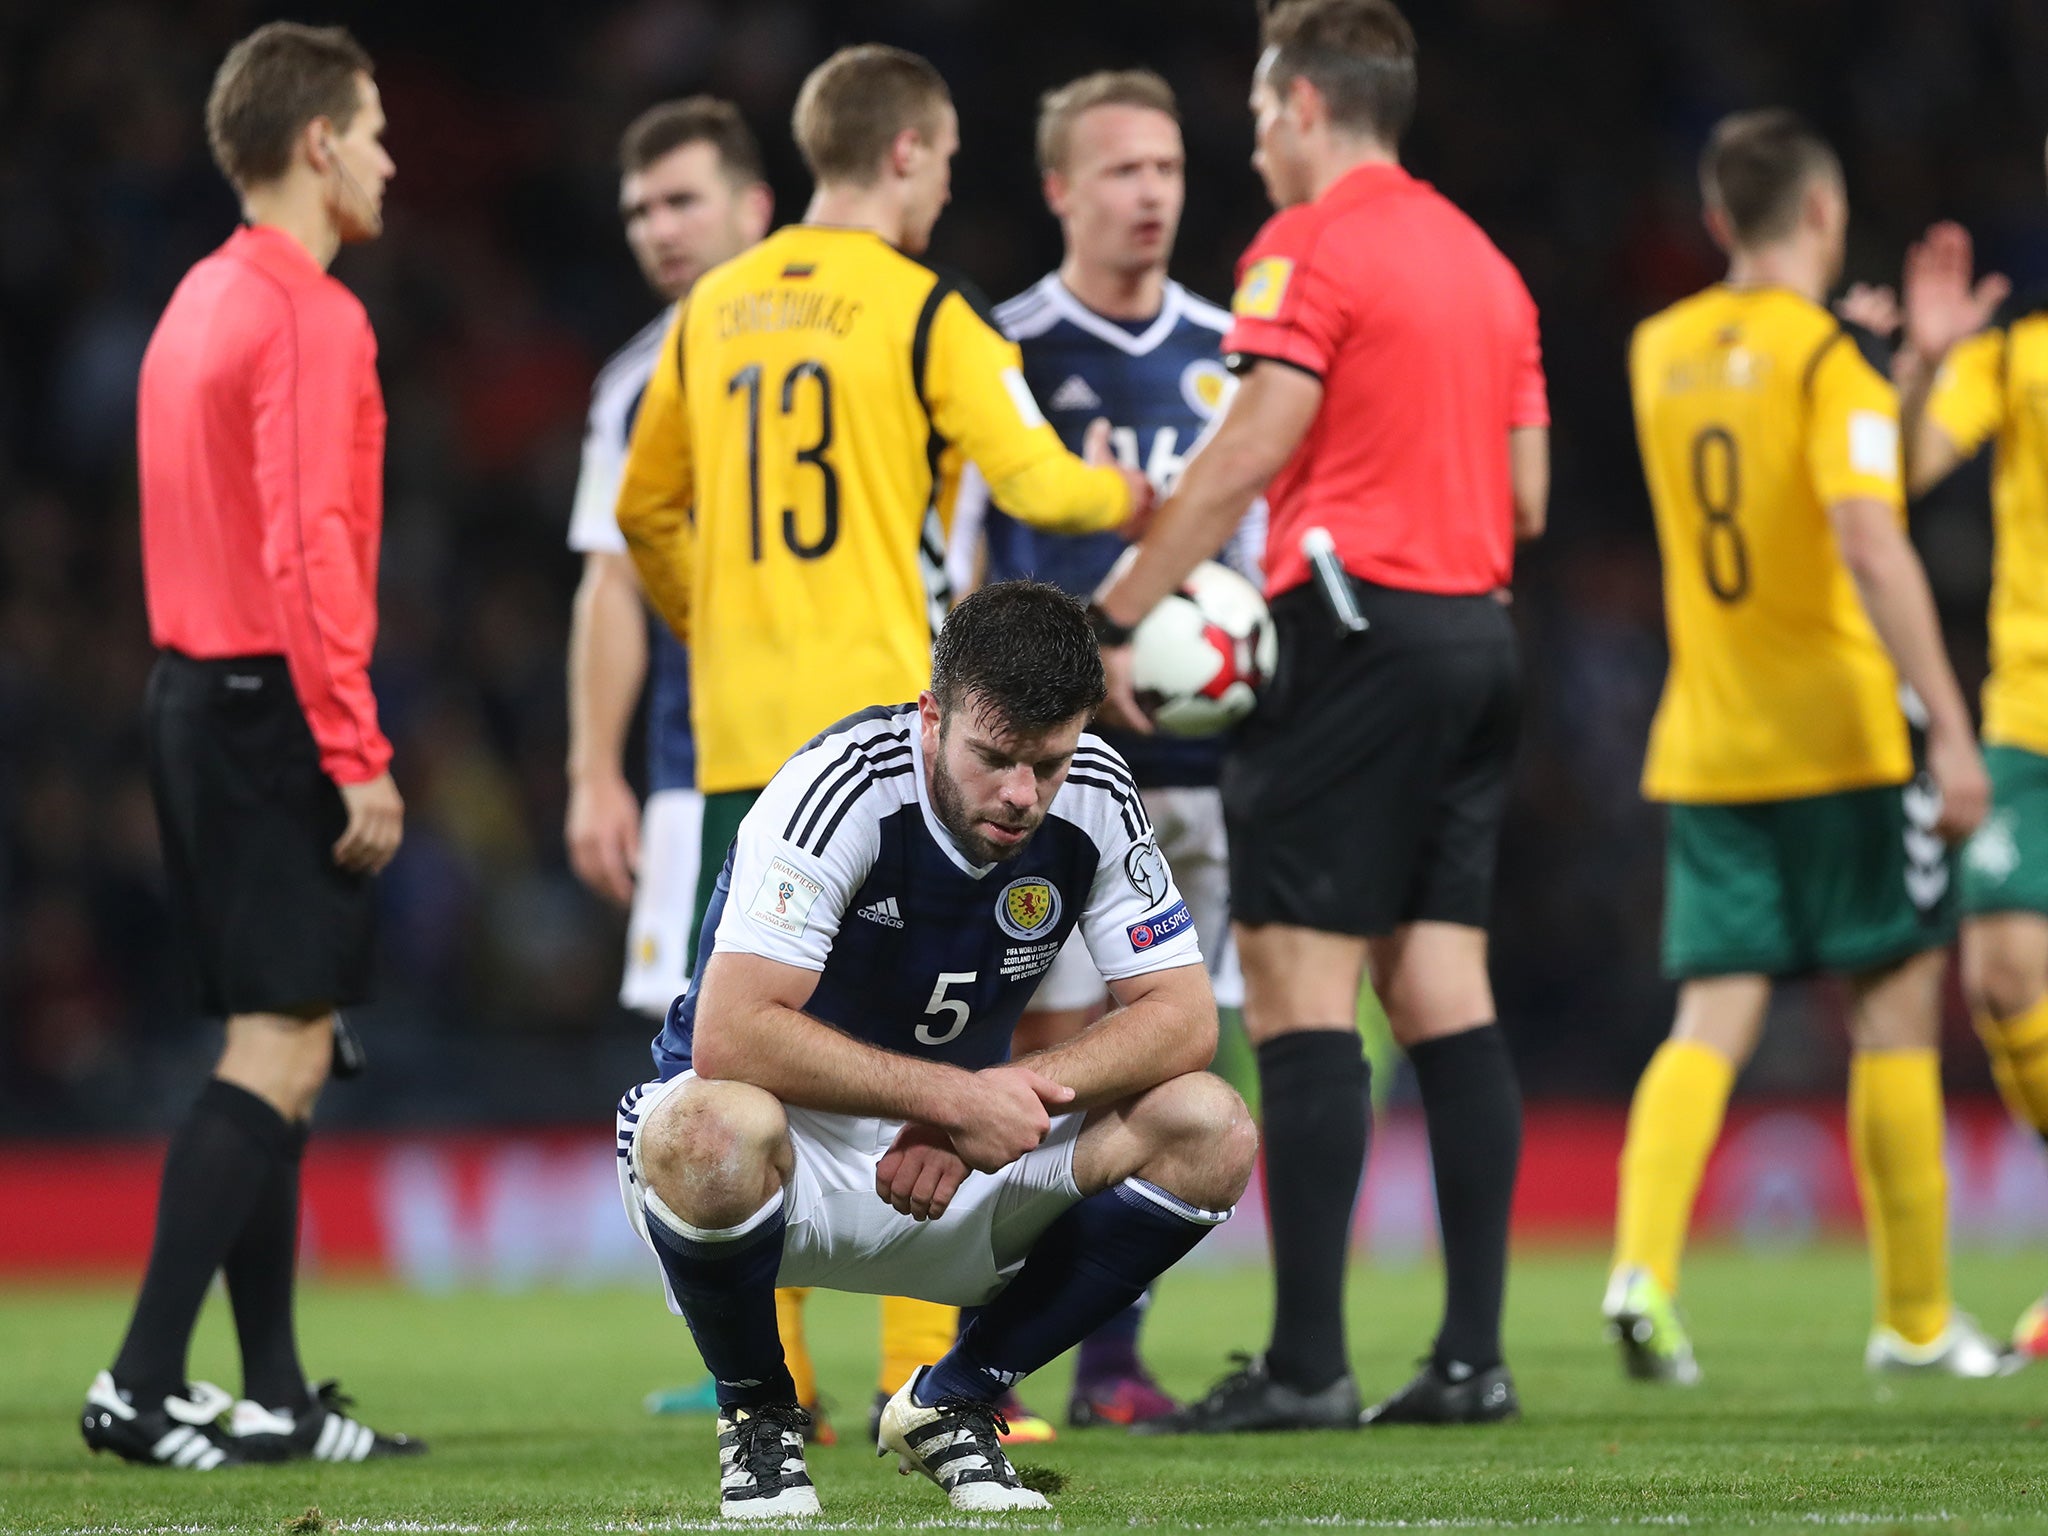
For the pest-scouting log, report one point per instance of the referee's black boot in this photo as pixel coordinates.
(178, 1431)
(1249, 1399)
(322, 1431)
(1450, 1393)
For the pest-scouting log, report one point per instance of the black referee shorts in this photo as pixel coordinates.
(1366, 791)
(249, 822)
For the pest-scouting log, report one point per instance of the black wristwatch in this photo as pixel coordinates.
(1107, 631)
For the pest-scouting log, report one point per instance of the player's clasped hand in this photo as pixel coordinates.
(376, 825)
(920, 1173)
(1001, 1115)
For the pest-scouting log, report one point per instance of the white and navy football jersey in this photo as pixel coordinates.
(843, 868)
(594, 527)
(1160, 384)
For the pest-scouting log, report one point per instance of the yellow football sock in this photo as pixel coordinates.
(789, 1322)
(2018, 1048)
(1895, 1130)
(914, 1333)
(1672, 1126)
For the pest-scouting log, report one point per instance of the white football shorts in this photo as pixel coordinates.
(843, 1236)
(1189, 822)
(664, 899)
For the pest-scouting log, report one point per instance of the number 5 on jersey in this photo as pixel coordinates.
(946, 1007)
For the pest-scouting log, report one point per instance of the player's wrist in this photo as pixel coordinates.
(937, 1095)
(1912, 360)
(585, 772)
(1109, 632)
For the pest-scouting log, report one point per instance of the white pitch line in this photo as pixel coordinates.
(1847, 1519)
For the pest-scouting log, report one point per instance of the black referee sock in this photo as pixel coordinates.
(1314, 1090)
(261, 1270)
(1474, 1110)
(214, 1174)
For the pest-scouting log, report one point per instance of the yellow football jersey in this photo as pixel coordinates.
(1996, 384)
(1756, 412)
(779, 496)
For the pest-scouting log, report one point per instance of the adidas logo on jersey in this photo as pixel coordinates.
(883, 912)
(1075, 395)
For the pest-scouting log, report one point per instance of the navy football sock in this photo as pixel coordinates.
(724, 1281)
(1087, 1267)
(1112, 1349)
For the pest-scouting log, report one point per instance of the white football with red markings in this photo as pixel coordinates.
(1200, 658)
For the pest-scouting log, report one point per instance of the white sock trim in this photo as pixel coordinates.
(1167, 1200)
(657, 1210)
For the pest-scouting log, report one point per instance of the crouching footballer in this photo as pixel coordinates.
(833, 1102)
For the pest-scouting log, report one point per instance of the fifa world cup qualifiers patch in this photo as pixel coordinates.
(1263, 290)
(785, 899)
(1028, 908)
(1157, 930)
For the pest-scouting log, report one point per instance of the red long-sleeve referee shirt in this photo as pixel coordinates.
(260, 430)
(1426, 342)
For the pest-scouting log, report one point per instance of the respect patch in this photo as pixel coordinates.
(1157, 930)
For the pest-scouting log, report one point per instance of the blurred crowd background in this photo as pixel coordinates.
(1568, 128)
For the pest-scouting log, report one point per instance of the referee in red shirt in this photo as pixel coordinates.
(261, 447)
(1392, 408)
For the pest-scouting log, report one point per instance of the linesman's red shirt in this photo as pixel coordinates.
(1426, 342)
(261, 455)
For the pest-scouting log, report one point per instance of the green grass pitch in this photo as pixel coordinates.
(532, 1403)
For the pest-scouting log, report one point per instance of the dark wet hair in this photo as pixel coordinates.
(1024, 651)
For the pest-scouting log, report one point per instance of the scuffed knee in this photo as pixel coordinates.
(708, 1146)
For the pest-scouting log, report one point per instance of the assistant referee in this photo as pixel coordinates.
(261, 448)
(1392, 400)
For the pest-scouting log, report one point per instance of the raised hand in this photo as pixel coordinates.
(1872, 306)
(1942, 304)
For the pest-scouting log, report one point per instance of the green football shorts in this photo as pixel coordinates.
(2005, 864)
(1843, 882)
(723, 813)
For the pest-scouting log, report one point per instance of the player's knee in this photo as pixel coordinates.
(2003, 983)
(709, 1138)
(1198, 1124)
(281, 1058)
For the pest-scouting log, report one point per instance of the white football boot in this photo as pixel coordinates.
(761, 1471)
(956, 1444)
